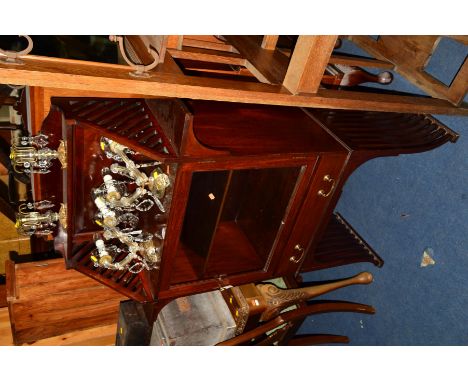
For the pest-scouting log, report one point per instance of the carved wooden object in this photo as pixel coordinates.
(276, 299)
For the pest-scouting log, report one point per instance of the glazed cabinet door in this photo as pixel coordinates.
(234, 222)
(311, 214)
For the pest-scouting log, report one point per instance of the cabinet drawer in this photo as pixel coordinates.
(321, 193)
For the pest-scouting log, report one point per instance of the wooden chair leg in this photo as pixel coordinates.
(289, 317)
(317, 339)
(275, 338)
(328, 306)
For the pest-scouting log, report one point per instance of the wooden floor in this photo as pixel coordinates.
(6, 338)
(50, 305)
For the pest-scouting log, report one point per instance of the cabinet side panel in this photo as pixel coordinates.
(172, 116)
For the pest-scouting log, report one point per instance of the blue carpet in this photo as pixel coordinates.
(400, 206)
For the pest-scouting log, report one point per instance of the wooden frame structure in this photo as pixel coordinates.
(279, 80)
(411, 55)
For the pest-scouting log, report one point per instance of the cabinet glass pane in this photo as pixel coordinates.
(232, 221)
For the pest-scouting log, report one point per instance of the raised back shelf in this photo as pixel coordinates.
(238, 129)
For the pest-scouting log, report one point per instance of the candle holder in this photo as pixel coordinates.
(139, 247)
(116, 196)
(31, 220)
(30, 154)
(153, 186)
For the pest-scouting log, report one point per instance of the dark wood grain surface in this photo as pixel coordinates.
(275, 174)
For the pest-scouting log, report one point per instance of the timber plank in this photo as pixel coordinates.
(52, 330)
(3, 296)
(57, 263)
(269, 42)
(58, 73)
(68, 318)
(46, 271)
(207, 42)
(308, 62)
(360, 61)
(175, 41)
(11, 292)
(410, 55)
(74, 299)
(270, 63)
(459, 86)
(206, 55)
(40, 289)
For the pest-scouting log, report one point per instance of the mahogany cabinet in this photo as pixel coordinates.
(253, 187)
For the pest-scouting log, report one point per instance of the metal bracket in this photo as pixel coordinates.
(62, 215)
(13, 58)
(140, 70)
(62, 154)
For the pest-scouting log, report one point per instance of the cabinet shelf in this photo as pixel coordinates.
(340, 245)
(232, 221)
(187, 265)
(238, 129)
(232, 250)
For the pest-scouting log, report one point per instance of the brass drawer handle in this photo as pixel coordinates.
(300, 252)
(327, 178)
